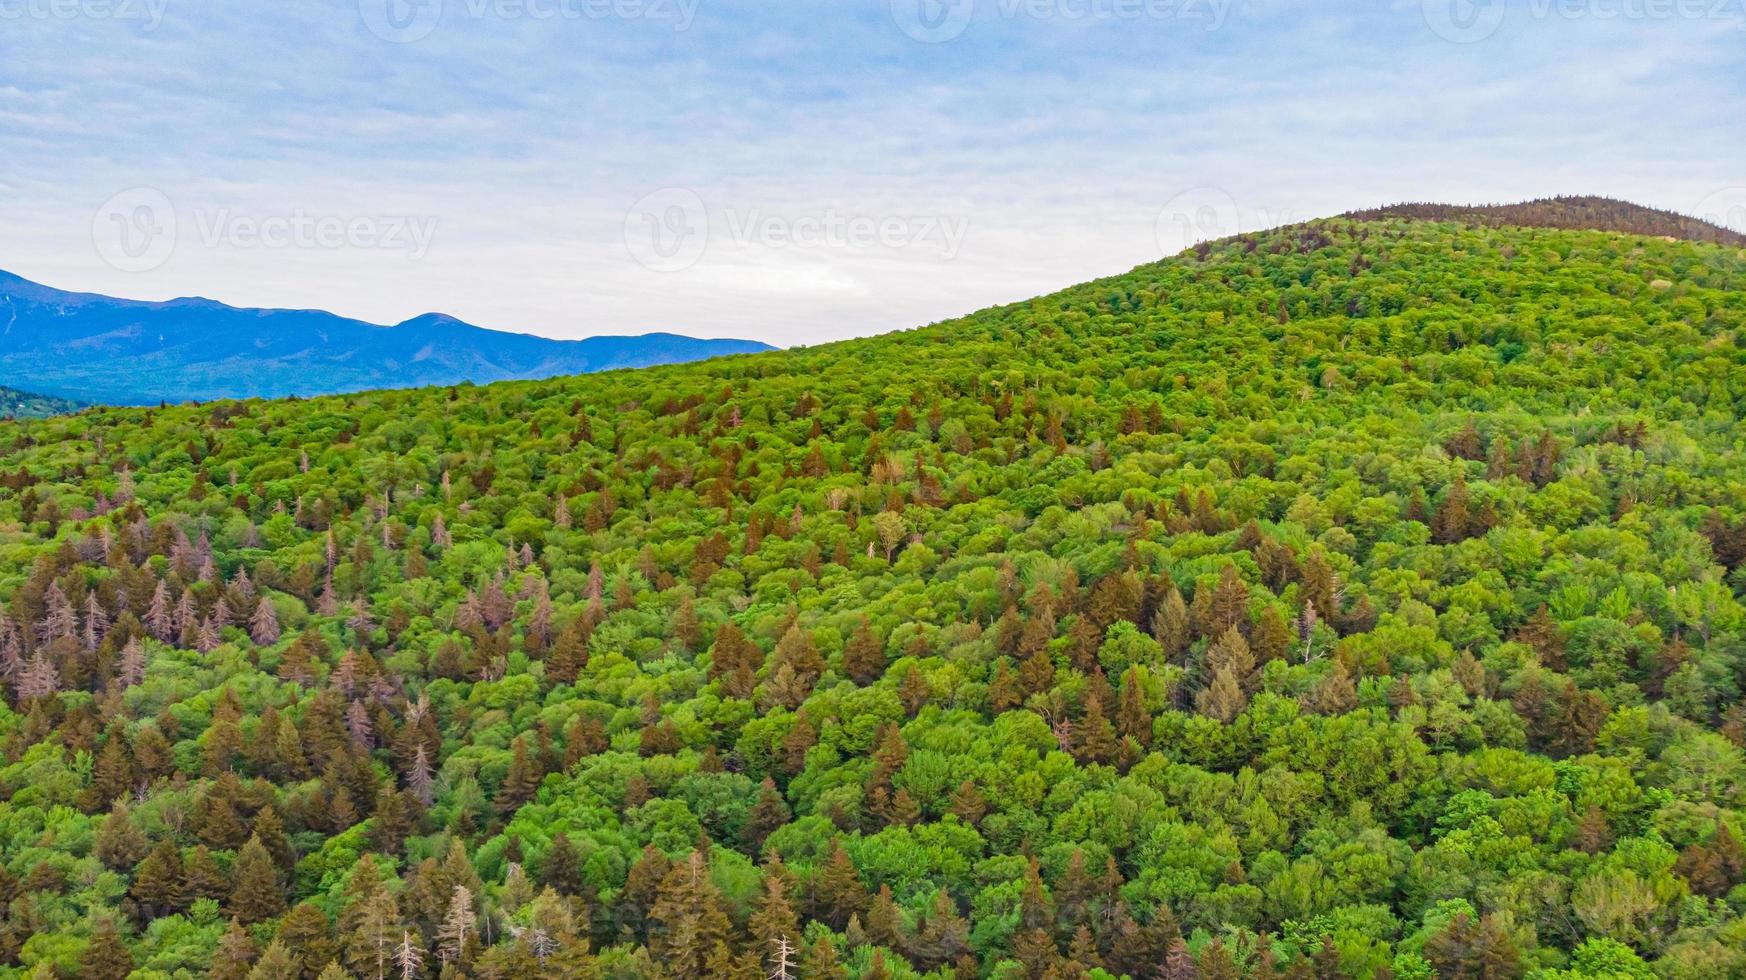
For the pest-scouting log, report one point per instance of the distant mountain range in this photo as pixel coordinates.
(92, 348)
(1571, 212)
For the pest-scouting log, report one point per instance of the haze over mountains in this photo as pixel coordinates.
(96, 348)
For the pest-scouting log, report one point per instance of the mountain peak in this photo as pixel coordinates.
(431, 320)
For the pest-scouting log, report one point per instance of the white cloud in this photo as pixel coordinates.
(526, 141)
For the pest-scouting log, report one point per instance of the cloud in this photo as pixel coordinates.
(1054, 141)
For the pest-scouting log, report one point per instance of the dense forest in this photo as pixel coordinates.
(1590, 213)
(15, 404)
(1357, 599)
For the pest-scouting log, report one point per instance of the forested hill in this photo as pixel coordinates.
(1570, 213)
(15, 404)
(1354, 599)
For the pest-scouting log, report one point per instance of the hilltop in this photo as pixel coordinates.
(15, 404)
(1361, 598)
(1570, 213)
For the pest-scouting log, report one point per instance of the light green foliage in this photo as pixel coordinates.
(1373, 587)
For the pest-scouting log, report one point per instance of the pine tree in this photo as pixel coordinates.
(864, 655)
(1272, 635)
(641, 886)
(236, 951)
(308, 937)
(768, 813)
(1170, 625)
(1467, 949)
(821, 961)
(369, 920)
(1096, 736)
(112, 774)
(1222, 700)
(774, 920)
(408, 956)
(106, 957)
(1216, 963)
(1231, 651)
(1336, 693)
(522, 781)
(276, 963)
(202, 878)
(131, 667)
(157, 880)
(1230, 604)
(1451, 523)
(455, 938)
(120, 842)
(255, 892)
(687, 922)
(1179, 963)
(562, 868)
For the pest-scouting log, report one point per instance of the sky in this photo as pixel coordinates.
(799, 171)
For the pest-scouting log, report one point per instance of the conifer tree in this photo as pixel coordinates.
(455, 935)
(687, 922)
(235, 954)
(157, 881)
(202, 878)
(276, 963)
(255, 891)
(106, 957)
(120, 842)
(521, 782)
(308, 936)
(864, 655)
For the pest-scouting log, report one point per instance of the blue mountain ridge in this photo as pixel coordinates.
(105, 350)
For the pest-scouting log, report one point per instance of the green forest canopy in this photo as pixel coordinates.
(1352, 599)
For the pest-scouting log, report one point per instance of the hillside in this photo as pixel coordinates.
(125, 352)
(1569, 213)
(15, 404)
(1353, 599)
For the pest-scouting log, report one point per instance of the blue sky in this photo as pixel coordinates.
(802, 170)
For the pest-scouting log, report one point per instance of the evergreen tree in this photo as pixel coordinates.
(687, 922)
(255, 894)
(106, 957)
